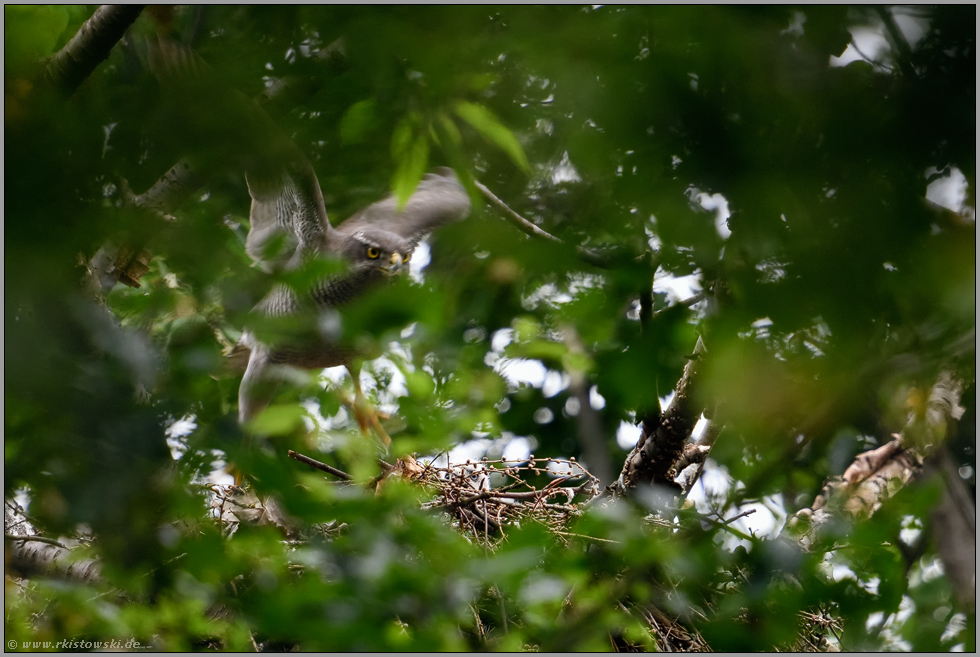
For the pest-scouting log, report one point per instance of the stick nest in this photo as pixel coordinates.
(485, 497)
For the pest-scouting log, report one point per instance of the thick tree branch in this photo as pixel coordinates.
(179, 182)
(877, 475)
(653, 458)
(90, 46)
(30, 558)
(954, 527)
(873, 477)
(697, 452)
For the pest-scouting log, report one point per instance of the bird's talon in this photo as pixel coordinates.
(405, 467)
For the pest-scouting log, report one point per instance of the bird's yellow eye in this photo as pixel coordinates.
(408, 256)
(373, 253)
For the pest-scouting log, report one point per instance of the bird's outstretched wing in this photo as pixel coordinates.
(438, 200)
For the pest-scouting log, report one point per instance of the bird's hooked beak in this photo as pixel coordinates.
(395, 265)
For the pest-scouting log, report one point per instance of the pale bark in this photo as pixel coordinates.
(879, 474)
(29, 557)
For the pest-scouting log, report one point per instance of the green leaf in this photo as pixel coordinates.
(482, 81)
(552, 352)
(411, 168)
(449, 129)
(493, 131)
(31, 32)
(278, 420)
(401, 138)
(525, 328)
(359, 119)
(451, 143)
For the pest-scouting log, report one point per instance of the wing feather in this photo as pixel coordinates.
(288, 220)
(438, 200)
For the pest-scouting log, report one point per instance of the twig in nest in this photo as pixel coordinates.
(463, 492)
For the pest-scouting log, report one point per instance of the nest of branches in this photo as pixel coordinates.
(485, 497)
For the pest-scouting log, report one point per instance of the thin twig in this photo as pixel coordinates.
(495, 494)
(533, 230)
(741, 515)
(513, 217)
(591, 538)
(39, 539)
(728, 528)
(904, 55)
(318, 465)
(481, 633)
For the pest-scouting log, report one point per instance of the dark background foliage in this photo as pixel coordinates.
(625, 115)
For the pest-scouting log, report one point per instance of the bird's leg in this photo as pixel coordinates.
(363, 413)
(348, 402)
(255, 392)
(406, 466)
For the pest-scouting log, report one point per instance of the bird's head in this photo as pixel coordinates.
(380, 250)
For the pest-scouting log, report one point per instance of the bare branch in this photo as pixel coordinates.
(904, 55)
(514, 218)
(693, 299)
(703, 445)
(693, 453)
(39, 539)
(663, 436)
(531, 229)
(179, 182)
(313, 463)
(878, 474)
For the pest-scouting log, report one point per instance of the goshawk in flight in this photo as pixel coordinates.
(287, 207)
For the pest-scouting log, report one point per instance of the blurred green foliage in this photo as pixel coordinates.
(603, 125)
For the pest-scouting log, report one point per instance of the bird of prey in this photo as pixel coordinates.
(377, 242)
(289, 226)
